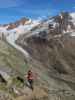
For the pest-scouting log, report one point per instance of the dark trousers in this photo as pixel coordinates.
(31, 83)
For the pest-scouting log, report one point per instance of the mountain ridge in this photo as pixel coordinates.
(50, 45)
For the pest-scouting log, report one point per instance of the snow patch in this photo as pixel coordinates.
(12, 35)
(73, 34)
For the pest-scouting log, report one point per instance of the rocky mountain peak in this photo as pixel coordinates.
(22, 21)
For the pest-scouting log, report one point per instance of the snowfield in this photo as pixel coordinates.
(13, 34)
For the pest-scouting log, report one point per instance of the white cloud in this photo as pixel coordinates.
(73, 15)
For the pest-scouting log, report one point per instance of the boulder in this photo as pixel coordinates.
(5, 77)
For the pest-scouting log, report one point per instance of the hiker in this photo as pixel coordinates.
(30, 78)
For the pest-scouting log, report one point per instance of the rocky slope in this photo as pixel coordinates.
(14, 65)
(50, 45)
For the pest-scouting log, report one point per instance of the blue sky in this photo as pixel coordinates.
(11, 10)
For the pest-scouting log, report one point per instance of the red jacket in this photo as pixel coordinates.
(30, 76)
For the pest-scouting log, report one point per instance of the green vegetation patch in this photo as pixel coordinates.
(12, 58)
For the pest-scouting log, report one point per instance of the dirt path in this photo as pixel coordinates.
(29, 94)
